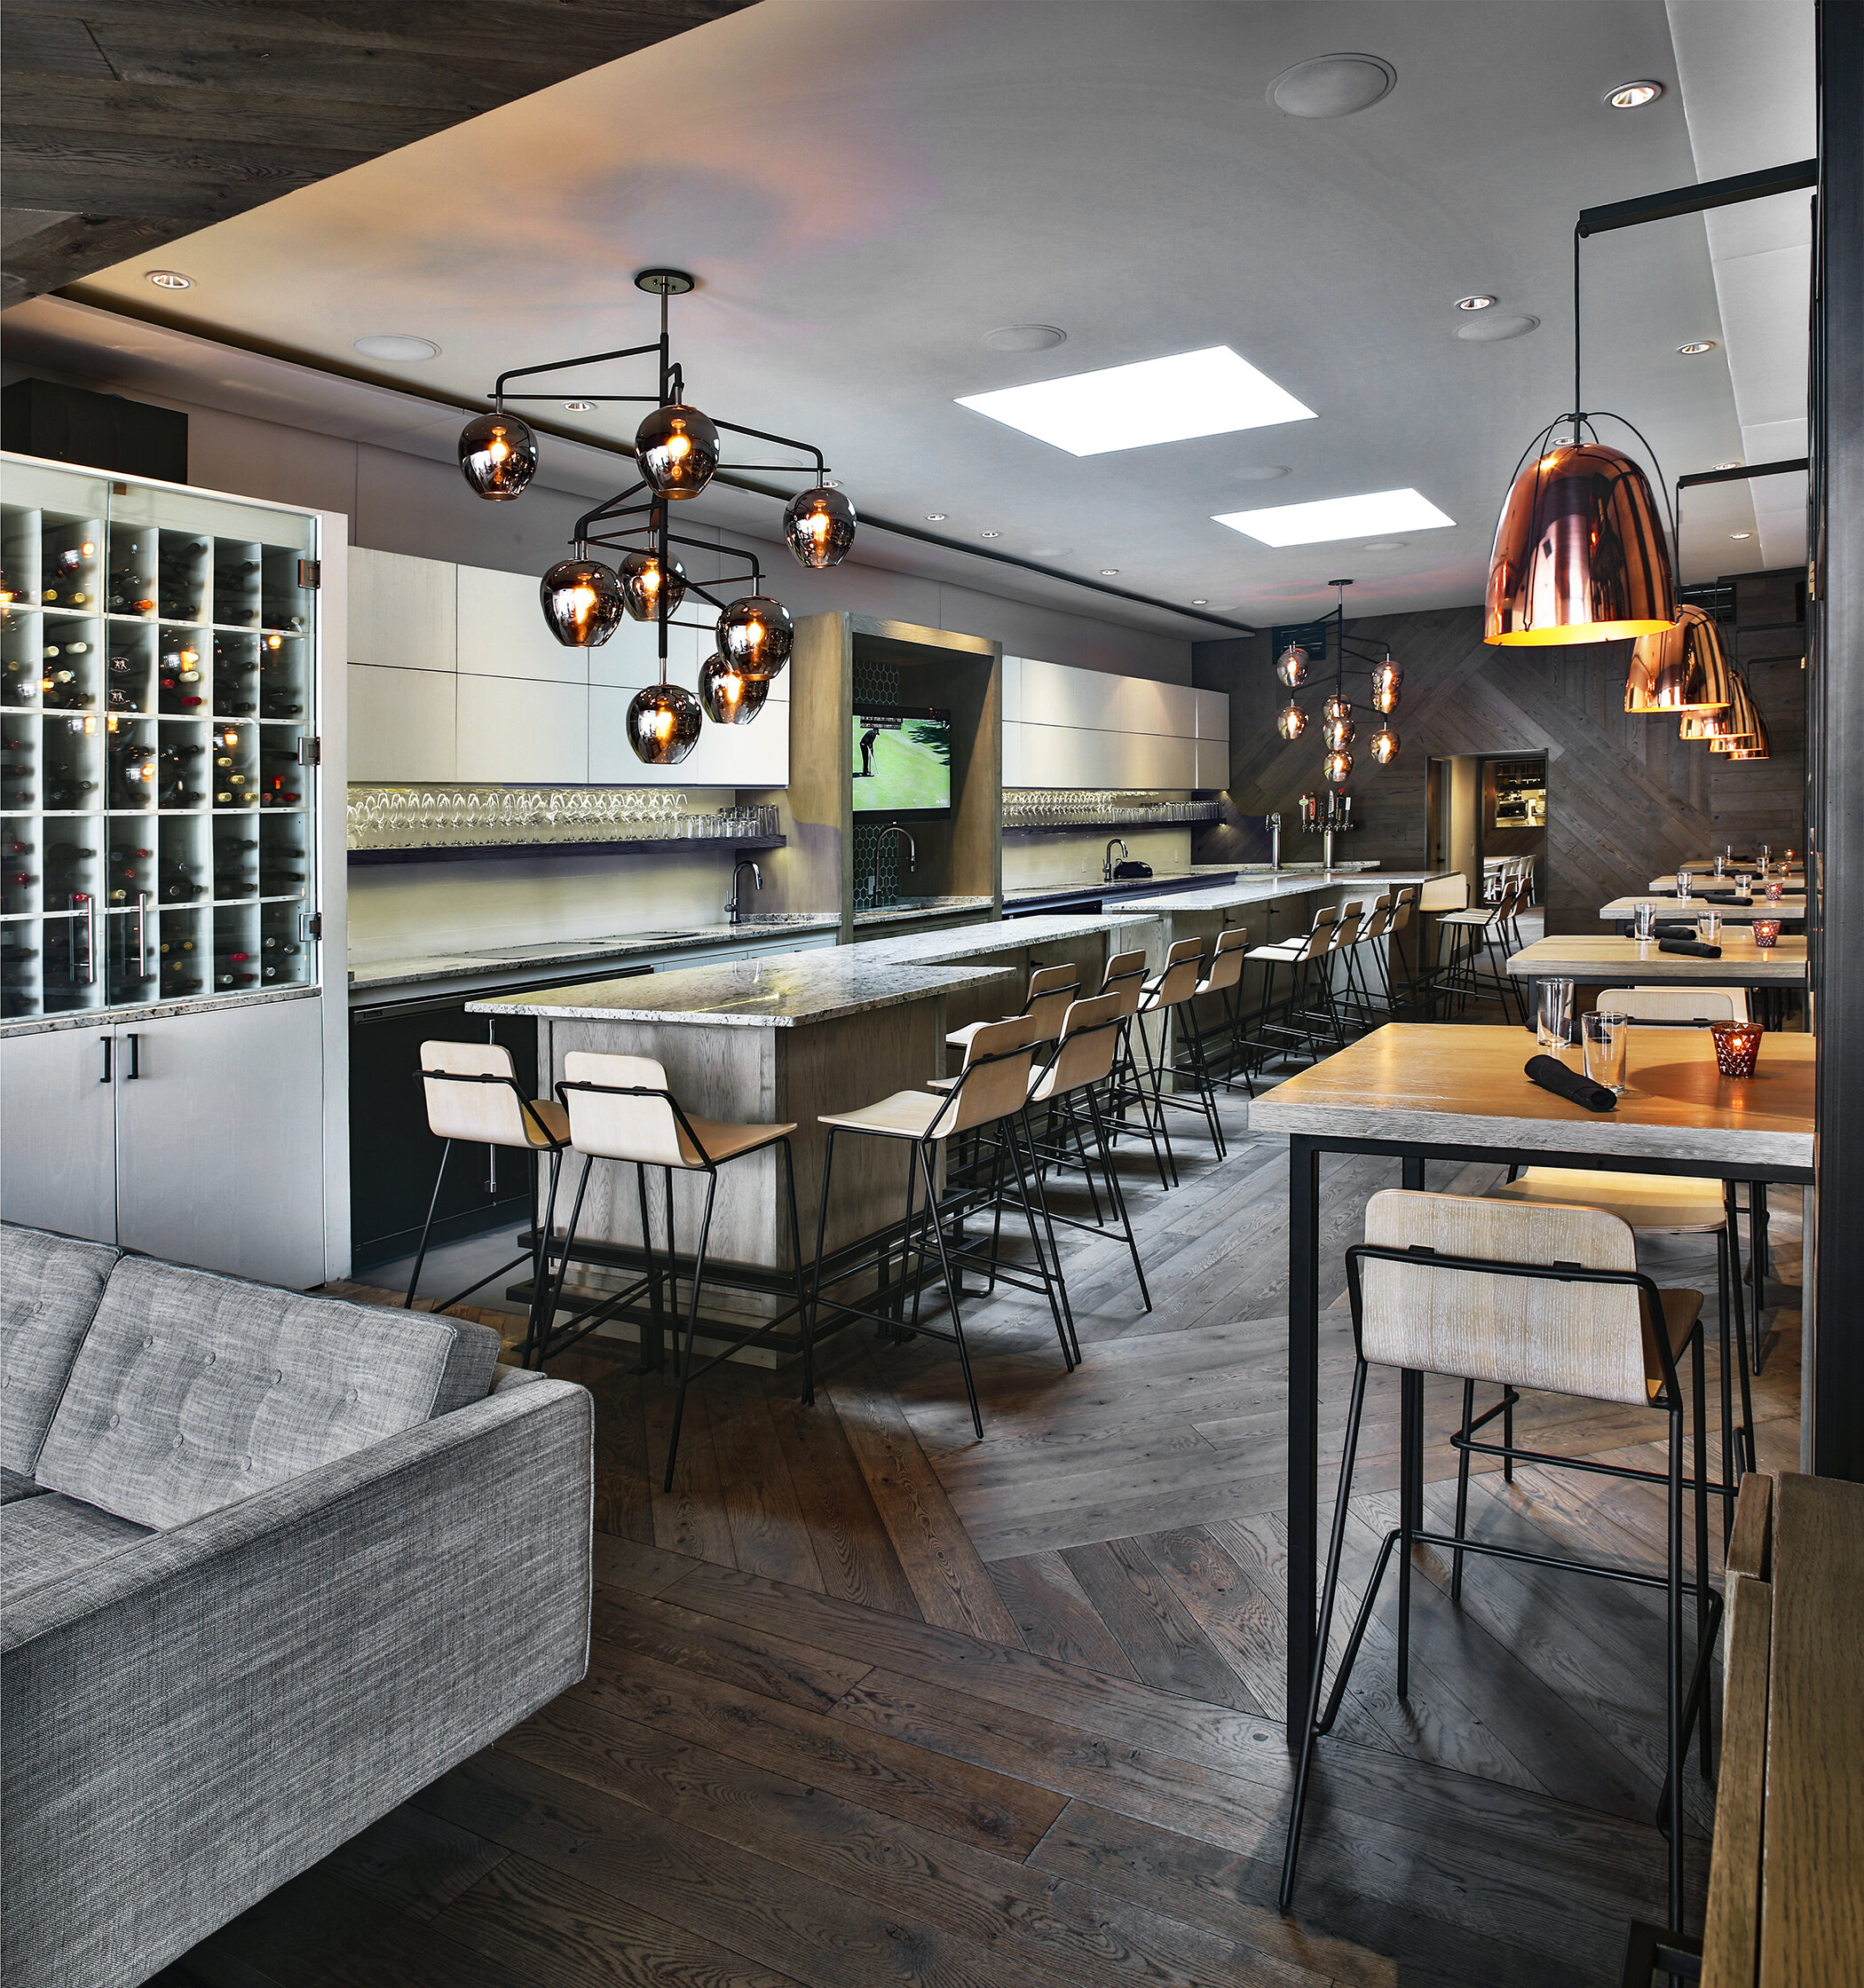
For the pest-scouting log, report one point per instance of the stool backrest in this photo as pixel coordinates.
(1184, 966)
(1680, 1007)
(1226, 960)
(1121, 967)
(476, 1096)
(1050, 990)
(1320, 934)
(1375, 924)
(1090, 1040)
(1540, 1330)
(995, 1081)
(630, 1116)
(1404, 906)
(1345, 929)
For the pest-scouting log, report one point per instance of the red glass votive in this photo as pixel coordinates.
(1776, 891)
(1737, 1047)
(1765, 931)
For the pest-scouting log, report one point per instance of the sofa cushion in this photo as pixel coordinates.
(469, 1365)
(50, 1289)
(42, 1538)
(192, 1390)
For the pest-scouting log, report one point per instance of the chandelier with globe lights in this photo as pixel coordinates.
(677, 452)
(1298, 665)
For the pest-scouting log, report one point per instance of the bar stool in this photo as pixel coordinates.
(990, 1092)
(1224, 977)
(1373, 925)
(473, 1096)
(1173, 989)
(1124, 976)
(620, 1108)
(1345, 932)
(1438, 1287)
(1050, 990)
(1396, 971)
(1297, 954)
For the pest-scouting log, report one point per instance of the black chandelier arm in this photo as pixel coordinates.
(596, 399)
(705, 593)
(735, 551)
(616, 506)
(559, 365)
(782, 441)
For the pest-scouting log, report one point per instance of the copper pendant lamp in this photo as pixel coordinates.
(1744, 724)
(1754, 748)
(1681, 668)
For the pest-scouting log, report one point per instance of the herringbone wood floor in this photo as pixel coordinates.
(871, 1701)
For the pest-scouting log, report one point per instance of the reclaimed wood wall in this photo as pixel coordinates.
(1626, 798)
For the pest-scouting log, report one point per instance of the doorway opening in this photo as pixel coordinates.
(1487, 817)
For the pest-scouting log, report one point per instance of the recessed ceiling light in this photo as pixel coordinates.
(1474, 303)
(1107, 572)
(1492, 331)
(1634, 95)
(1200, 602)
(398, 346)
(936, 517)
(990, 534)
(1740, 534)
(171, 280)
(1386, 545)
(1260, 472)
(577, 406)
(1736, 465)
(1331, 85)
(1337, 517)
(1209, 392)
(1025, 338)
(1696, 346)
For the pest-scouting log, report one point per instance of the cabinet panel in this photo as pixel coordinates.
(632, 655)
(1068, 756)
(502, 631)
(58, 1133)
(402, 610)
(219, 1140)
(1212, 763)
(1013, 773)
(1212, 714)
(753, 755)
(401, 724)
(514, 730)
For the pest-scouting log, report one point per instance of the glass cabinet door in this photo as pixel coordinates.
(157, 691)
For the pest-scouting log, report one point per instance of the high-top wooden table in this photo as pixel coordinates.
(1423, 1091)
(1791, 908)
(1602, 960)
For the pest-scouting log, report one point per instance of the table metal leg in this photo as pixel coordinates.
(1410, 1489)
(1303, 1424)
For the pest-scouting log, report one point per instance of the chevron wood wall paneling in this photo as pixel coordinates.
(1626, 798)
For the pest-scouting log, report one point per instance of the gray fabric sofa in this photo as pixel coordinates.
(269, 1564)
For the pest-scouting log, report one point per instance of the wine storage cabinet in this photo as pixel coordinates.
(158, 743)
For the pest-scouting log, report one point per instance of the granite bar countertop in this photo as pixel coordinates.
(921, 908)
(577, 952)
(780, 991)
(971, 942)
(1268, 885)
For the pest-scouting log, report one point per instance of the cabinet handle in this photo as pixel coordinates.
(142, 936)
(89, 905)
(104, 1076)
(135, 1069)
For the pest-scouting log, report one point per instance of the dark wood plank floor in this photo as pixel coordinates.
(871, 1701)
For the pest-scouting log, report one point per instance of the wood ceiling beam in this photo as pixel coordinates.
(136, 122)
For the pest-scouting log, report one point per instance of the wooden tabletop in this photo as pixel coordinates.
(1670, 909)
(1613, 962)
(1446, 1085)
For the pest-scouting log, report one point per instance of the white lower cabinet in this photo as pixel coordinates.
(204, 1144)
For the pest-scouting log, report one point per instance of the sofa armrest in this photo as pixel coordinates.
(192, 1720)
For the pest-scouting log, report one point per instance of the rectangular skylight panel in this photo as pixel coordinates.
(1210, 392)
(1339, 517)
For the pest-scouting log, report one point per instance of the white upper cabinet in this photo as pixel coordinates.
(502, 631)
(1083, 728)
(402, 610)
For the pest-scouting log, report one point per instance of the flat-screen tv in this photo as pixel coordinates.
(902, 759)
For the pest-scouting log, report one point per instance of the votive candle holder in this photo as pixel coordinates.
(1737, 1047)
(1776, 890)
(1766, 930)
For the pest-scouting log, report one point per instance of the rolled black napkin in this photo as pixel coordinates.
(1693, 947)
(1716, 897)
(1552, 1075)
(1672, 928)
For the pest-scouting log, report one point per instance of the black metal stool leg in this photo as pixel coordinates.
(805, 1323)
(1071, 1360)
(1116, 1194)
(692, 1306)
(654, 1357)
(922, 1148)
(1456, 1558)
(407, 1303)
(543, 1307)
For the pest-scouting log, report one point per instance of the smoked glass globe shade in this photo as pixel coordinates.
(498, 455)
(1387, 680)
(1384, 745)
(640, 574)
(819, 526)
(663, 724)
(1337, 706)
(1291, 665)
(727, 696)
(1337, 732)
(582, 602)
(756, 635)
(1291, 720)
(1337, 765)
(676, 451)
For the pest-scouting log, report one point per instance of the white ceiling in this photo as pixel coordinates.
(865, 191)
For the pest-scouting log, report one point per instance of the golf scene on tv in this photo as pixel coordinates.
(902, 760)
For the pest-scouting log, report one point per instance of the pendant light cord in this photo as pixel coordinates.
(1578, 401)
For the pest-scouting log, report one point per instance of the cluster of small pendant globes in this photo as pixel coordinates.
(584, 601)
(1338, 729)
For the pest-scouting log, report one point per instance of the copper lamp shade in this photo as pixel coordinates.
(1336, 706)
(1744, 725)
(1754, 747)
(755, 635)
(1337, 732)
(818, 526)
(640, 576)
(1291, 720)
(1337, 765)
(1387, 681)
(663, 724)
(1681, 668)
(676, 451)
(1384, 745)
(582, 602)
(1580, 554)
(727, 696)
(498, 455)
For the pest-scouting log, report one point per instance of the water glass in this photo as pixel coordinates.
(1553, 1016)
(1683, 880)
(1646, 917)
(1606, 1038)
(1709, 927)
(1743, 888)
(1719, 861)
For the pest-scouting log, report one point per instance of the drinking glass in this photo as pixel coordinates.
(1553, 1016)
(1646, 917)
(1606, 1038)
(1719, 861)
(1709, 927)
(1743, 888)
(1683, 880)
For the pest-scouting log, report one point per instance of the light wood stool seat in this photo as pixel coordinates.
(1672, 1203)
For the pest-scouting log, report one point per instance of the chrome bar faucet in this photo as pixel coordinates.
(733, 913)
(1275, 842)
(892, 828)
(1125, 856)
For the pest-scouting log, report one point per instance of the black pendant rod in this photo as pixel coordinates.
(1701, 198)
(1742, 475)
